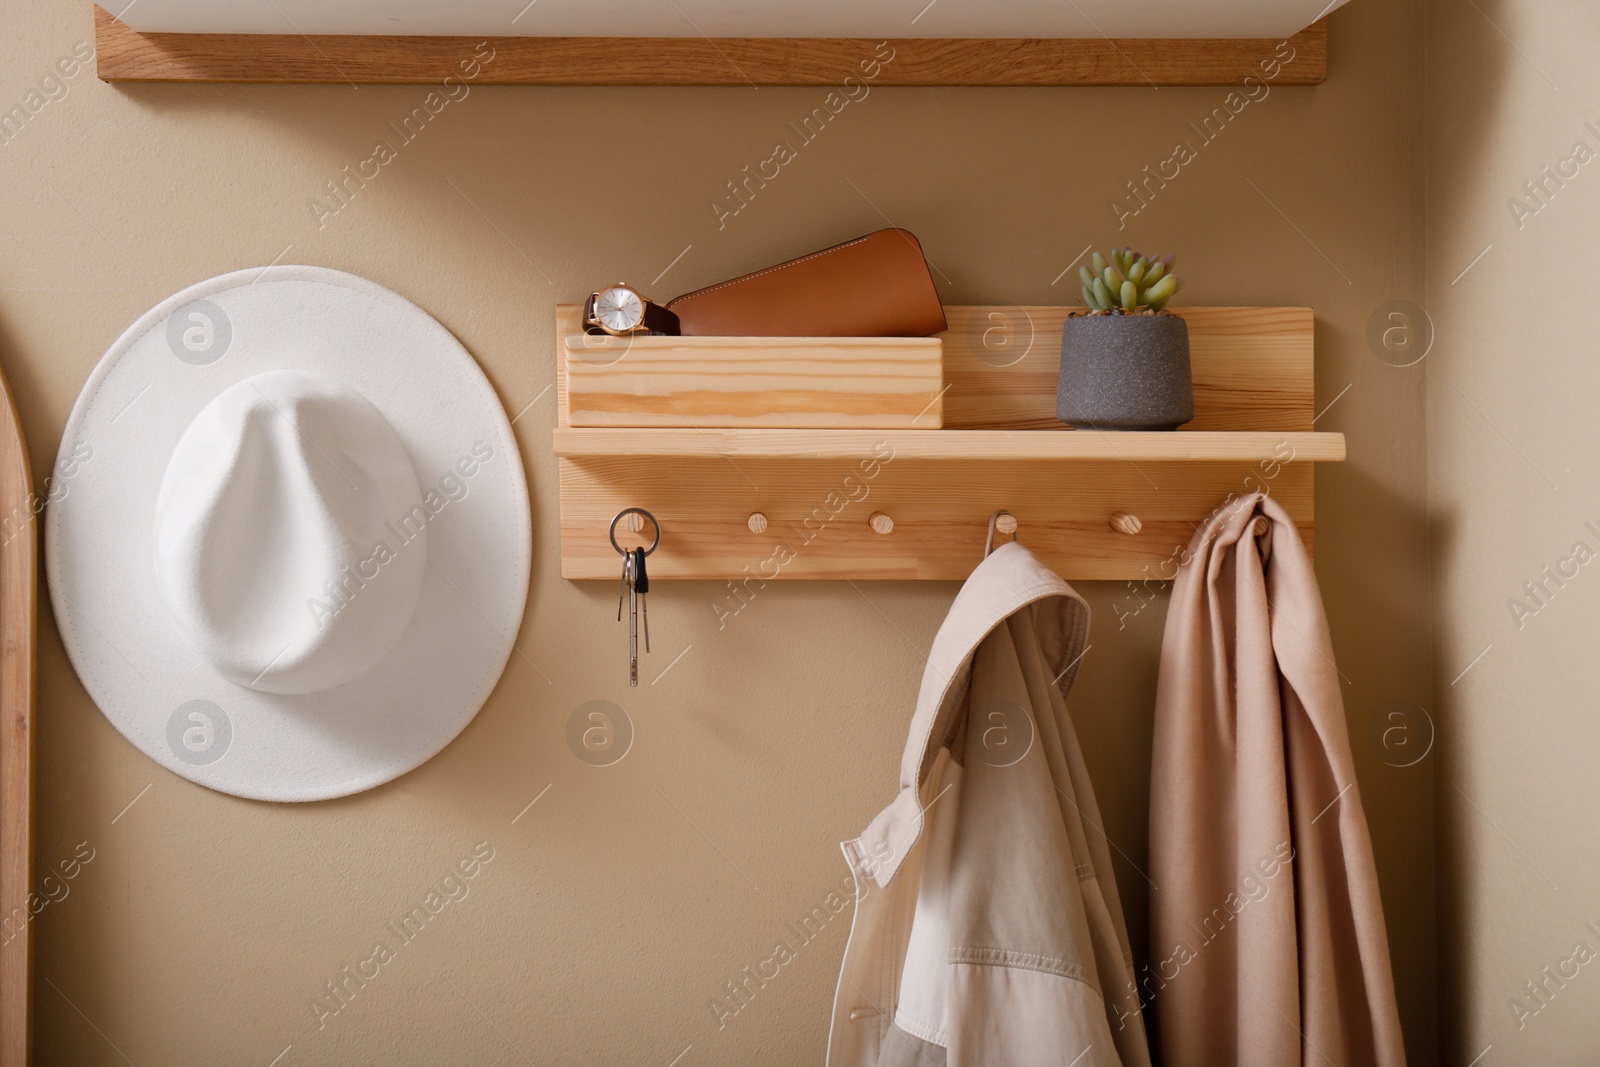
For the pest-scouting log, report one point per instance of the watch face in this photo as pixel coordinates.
(619, 309)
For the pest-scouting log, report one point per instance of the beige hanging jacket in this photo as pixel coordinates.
(1266, 936)
(987, 931)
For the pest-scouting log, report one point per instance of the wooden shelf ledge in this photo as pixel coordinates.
(124, 54)
(951, 445)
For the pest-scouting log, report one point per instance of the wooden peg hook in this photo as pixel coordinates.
(1124, 523)
(1005, 523)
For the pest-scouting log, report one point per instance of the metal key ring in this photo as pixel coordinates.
(624, 513)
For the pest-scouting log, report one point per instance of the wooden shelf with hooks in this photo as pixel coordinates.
(752, 505)
(956, 446)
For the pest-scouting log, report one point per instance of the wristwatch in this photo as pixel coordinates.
(620, 310)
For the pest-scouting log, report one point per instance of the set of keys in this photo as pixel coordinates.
(635, 586)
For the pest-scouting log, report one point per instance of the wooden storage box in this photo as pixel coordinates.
(834, 383)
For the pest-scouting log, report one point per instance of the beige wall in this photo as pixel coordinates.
(623, 901)
(1512, 454)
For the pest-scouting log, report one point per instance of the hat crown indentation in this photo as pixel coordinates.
(275, 553)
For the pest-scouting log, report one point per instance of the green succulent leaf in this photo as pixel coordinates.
(1130, 296)
(1161, 292)
(1102, 295)
(1099, 262)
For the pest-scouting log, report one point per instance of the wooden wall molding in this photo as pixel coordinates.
(126, 55)
(19, 569)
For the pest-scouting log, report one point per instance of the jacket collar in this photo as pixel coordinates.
(1010, 579)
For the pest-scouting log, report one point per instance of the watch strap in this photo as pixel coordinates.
(658, 319)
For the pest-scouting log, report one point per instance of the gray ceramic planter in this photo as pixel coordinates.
(1125, 372)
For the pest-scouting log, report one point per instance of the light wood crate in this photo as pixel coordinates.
(822, 383)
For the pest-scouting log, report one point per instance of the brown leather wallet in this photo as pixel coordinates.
(873, 286)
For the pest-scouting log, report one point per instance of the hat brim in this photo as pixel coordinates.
(99, 559)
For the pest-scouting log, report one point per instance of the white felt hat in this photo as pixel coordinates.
(289, 542)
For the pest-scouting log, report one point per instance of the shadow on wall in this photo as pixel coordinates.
(1393, 738)
(1463, 37)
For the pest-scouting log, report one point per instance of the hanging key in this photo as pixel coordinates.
(631, 576)
(626, 593)
(641, 585)
(627, 572)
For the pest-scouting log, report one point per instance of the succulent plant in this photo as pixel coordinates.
(1127, 283)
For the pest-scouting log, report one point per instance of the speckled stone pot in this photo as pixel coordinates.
(1125, 372)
